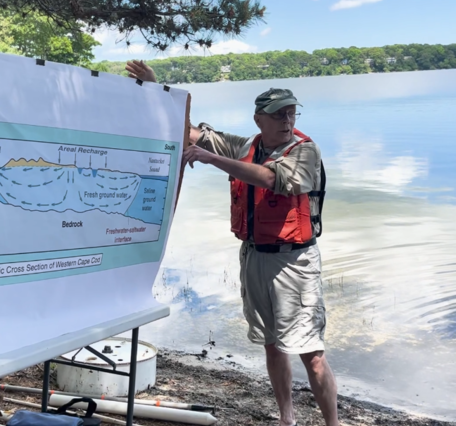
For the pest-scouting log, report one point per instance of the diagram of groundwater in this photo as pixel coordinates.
(59, 197)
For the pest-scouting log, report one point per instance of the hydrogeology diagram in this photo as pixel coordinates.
(77, 197)
(42, 186)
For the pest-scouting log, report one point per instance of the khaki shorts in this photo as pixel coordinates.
(283, 298)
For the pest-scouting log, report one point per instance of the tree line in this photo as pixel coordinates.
(290, 63)
(36, 35)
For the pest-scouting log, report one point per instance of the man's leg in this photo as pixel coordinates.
(323, 385)
(279, 369)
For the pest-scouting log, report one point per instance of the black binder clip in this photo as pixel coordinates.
(94, 73)
(166, 88)
(139, 82)
(40, 62)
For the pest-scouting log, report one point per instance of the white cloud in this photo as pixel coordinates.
(220, 48)
(115, 49)
(265, 32)
(364, 162)
(348, 4)
(232, 46)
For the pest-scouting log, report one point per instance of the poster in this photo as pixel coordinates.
(89, 171)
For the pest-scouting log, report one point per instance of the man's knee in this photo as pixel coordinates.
(314, 361)
(273, 352)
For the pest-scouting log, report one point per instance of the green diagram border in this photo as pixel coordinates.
(113, 256)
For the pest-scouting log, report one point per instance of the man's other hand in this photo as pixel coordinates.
(141, 71)
(195, 153)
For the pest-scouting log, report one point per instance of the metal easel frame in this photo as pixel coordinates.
(131, 374)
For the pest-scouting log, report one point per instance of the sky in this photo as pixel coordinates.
(316, 24)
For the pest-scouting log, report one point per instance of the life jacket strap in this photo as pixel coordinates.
(315, 219)
(316, 193)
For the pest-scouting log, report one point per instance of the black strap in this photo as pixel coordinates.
(283, 248)
(315, 219)
(322, 196)
(315, 193)
(251, 196)
(92, 406)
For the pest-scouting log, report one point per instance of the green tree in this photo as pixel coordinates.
(6, 41)
(102, 66)
(332, 55)
(353, 54)
(314, 67)
(378, 56)
(36, 36)
(161, 22)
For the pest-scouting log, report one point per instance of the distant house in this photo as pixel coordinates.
(406, 58)
(324, 61)
(391, 60)
(344, 62)
(368, 61)
(263, 66)
(225, 69)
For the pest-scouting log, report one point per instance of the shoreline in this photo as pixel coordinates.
(240, 397)
(303, 77)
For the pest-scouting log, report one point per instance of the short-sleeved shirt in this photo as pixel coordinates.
(297, 173)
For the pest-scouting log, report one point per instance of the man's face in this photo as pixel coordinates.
(277, 128)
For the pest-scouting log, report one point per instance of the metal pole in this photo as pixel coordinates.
(45, 393)
(132, 381)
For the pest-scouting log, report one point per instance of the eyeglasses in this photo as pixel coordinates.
(292, 115)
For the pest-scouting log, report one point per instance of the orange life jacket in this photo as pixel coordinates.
(278, 219)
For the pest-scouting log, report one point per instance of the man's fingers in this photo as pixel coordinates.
(133, 69)
(185, 157)
(188, 158)
(137, 66)
(186, 161)
(132, 72)
(140, 66)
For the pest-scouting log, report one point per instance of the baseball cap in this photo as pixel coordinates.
(274, 99)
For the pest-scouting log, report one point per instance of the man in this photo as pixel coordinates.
(275, 194)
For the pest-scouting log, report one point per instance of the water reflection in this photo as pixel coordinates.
(388, 245)
(364, 163)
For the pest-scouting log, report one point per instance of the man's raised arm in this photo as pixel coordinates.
(140, 70)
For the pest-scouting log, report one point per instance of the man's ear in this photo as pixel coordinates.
(256, 118)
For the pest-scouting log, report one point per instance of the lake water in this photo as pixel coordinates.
(388, 246)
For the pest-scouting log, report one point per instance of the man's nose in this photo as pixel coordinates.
(286, 117)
